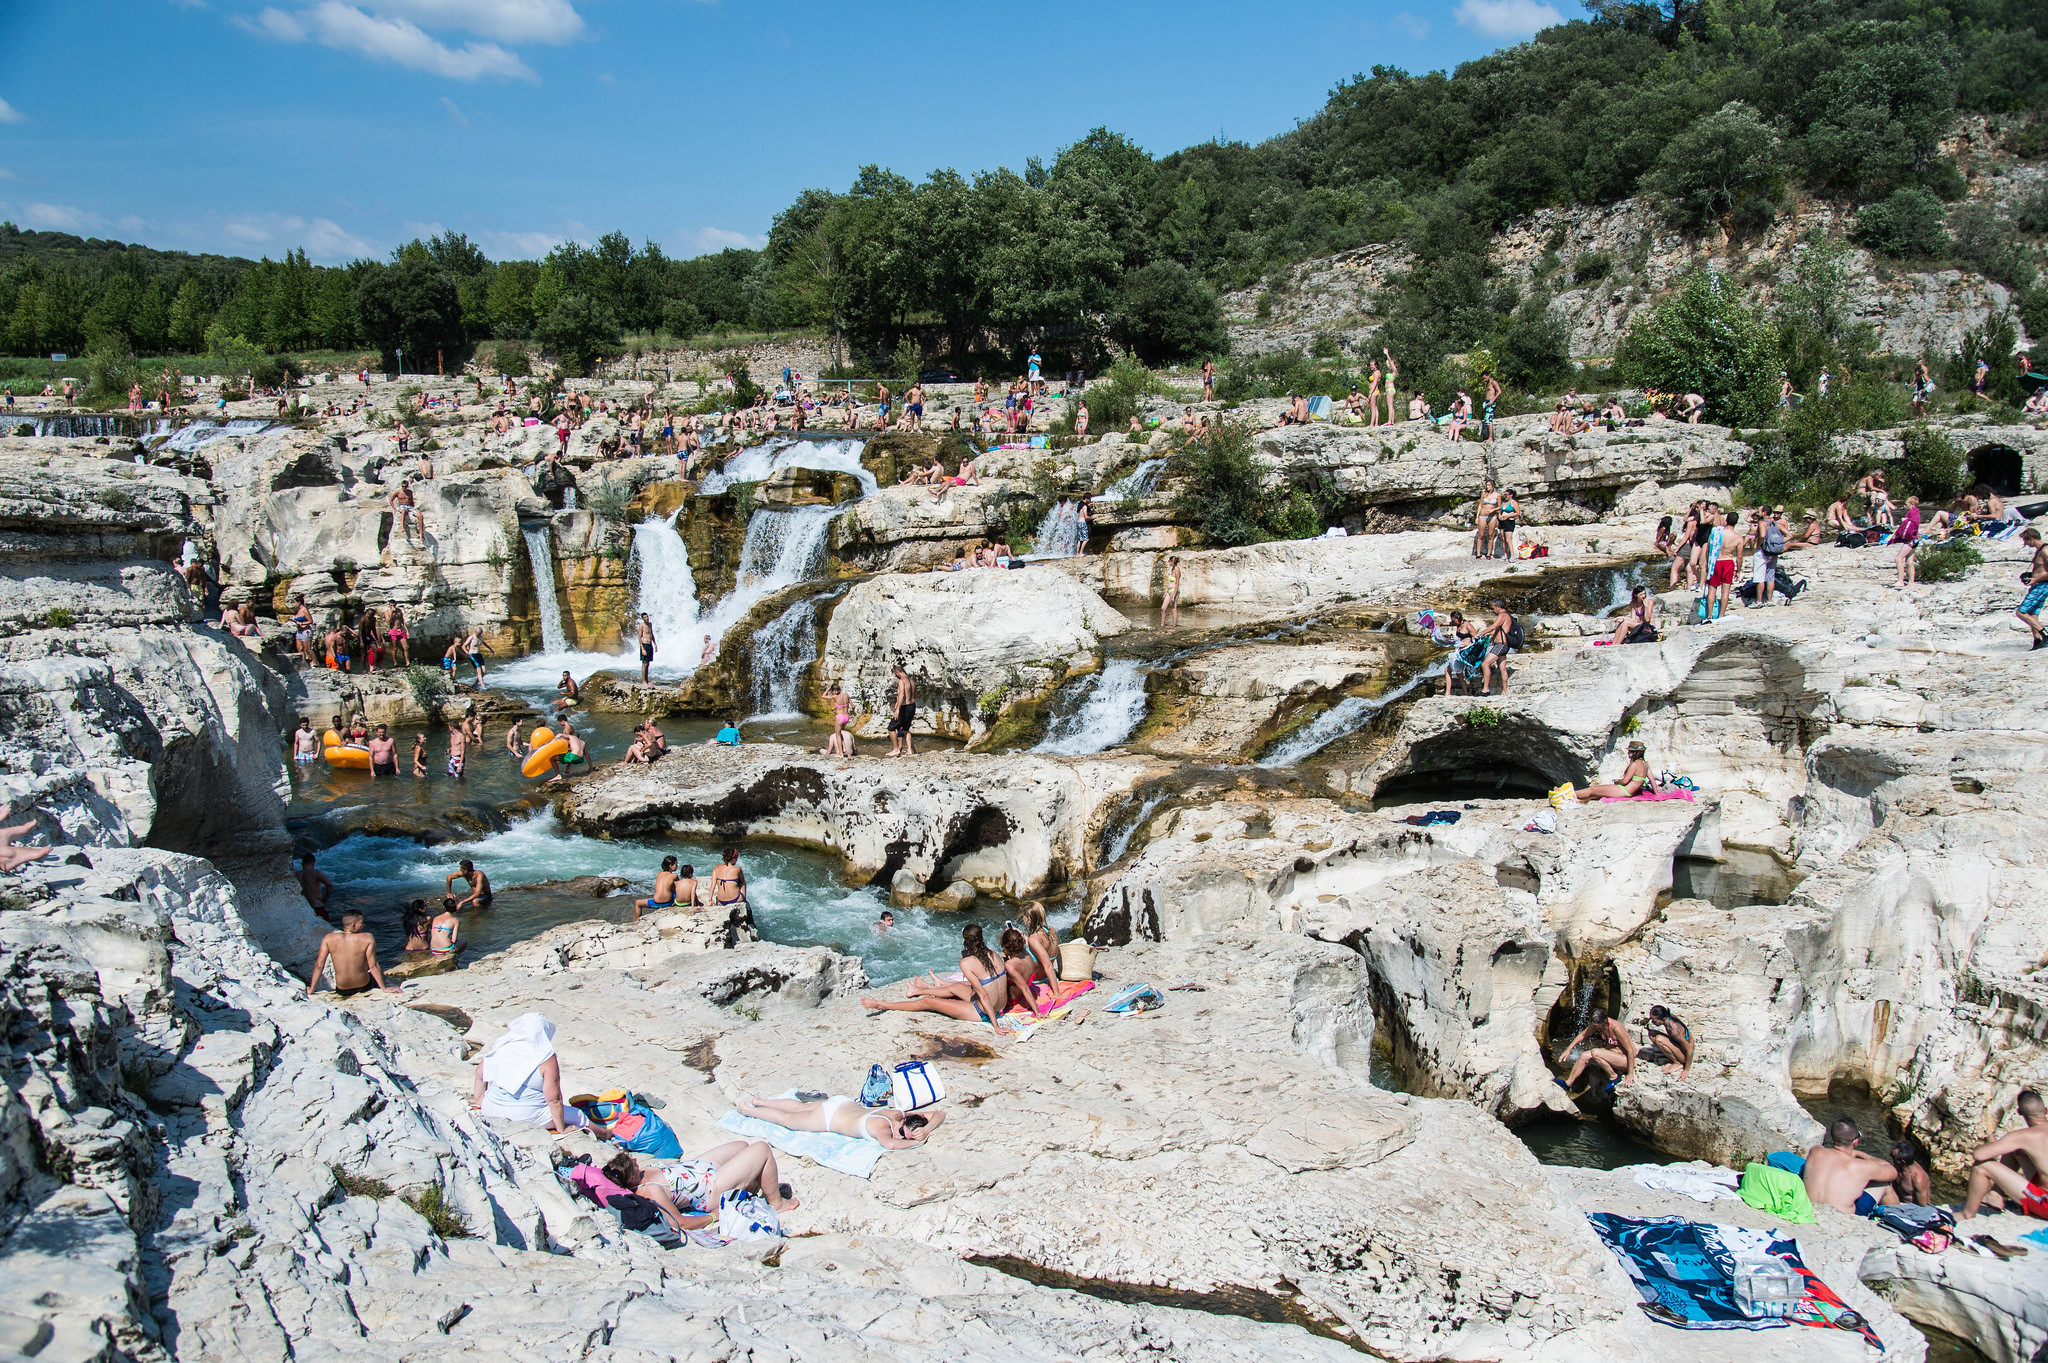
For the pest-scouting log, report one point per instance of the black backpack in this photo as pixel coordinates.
(1515, 640)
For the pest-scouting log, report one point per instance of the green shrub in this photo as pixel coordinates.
(1911, 224)
(1226, 495)
(1929, 466)
(513, 360)
(1946, 562)
(361, 1185)
(60, 618)
(607, 500)
(1591, 268)
(1702, 339)
(428, 686)
(1484, 717)
(1116, 397)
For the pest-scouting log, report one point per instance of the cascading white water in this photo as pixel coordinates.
(569, 498)
(757, 462)
(1620, 587)
(1111, 705)
(782, 548)
(200, 434)
(668, 594)
(783, 648)
(1059, 534)
(1346, 716)
(1133, 485)
(539, 553)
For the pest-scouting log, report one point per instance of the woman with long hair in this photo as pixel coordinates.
(986, 991)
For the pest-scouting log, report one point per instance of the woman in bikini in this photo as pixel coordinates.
(843, 1116)
(841, 742)
(394, 630)
(664, 896)
(1636, 617)
(443, 937)
(982, 997)
(1372, 393)
(1021, 966)
(1042, 942)
(1483, 514)
(418, 923)
(729, 888)
(1169, 606)
(1635, 778)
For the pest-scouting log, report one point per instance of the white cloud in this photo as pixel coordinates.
(507, 21)
(5, 173)
(1418, 29)
(1507, 18)
(518, 245)
(397, 41)
(455, 111)
(705, 240)
(10, 114)
(322, 239)
(60, 217)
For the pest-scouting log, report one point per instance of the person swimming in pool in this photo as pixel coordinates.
(664, 896)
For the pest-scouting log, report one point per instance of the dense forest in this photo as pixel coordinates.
(1715, 110)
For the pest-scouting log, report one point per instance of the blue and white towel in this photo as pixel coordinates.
(850, 1155)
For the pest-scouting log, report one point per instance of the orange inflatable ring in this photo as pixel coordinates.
(340, 754)
(546, 747)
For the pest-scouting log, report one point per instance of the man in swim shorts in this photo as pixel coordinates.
(2029, 612)
(906, 714)
(645, 634)
(305, 743)
(480, 895)
(1839, 1175)
(2014, 1168)
(383, 753)
(353, 954)
(664, 896)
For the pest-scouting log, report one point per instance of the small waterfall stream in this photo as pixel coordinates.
(783, 648)
(1112, 704)
(668, 593)
(539, 553)
(1059, 534)
(782, 548)
(1346, 716)
(760, 461)
(1133, 485)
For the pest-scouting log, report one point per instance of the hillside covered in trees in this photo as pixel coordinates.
(1715, 110)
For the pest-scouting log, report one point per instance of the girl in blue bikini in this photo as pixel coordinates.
(981, 996)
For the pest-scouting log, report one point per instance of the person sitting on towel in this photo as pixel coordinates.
(1635, 778)
(1913, 1183)
(1839, 1175)
(519, 1079)
(842, 1116)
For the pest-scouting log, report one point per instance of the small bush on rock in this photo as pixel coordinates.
(441, 1216)
(1947, 562)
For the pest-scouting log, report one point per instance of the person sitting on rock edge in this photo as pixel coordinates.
(1913, 1184)
(1839, 1175)
(664, 896)
(1608, 1046)
(353, 954)
(2014, 1168)
(1670, 1042)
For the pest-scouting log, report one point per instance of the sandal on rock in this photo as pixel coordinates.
(2002, 1250)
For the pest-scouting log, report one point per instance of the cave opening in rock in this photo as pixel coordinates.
(986, 827)
(1739, 878)
(1998, 467)
(1474, 781)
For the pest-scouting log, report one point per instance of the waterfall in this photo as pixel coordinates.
(1345, 717)
(569, 498)
(200, 434)
(1126, 828)
(1133, 485)
(783, 648)
(668, 594)
(539, 553)
(1059, 534)
(757, 462)
(1619, 587)
(1112, 703)
(782, 548)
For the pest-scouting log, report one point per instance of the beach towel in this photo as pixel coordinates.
(1319, 408)
(853, 1156)
(1062, 998)
(1685, 1273)
(1773, 1190)
(1791, 1161)
(1651, 795)
(1698, 1181)
(2037, 1238)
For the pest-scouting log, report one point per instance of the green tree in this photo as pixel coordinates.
(1909, 224)
(578, 333)
(1816, 316)
(1701, 339)
(1726, 168)
(1167, 314)
(410, 306)
(190, 315)
(510, 299)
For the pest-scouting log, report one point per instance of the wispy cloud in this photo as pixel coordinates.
(1507, 18)
(506, 21)
(1418, 29)
(518, 245)
(10, 114)
(397, 41)
(455, 111)
(60, 217)
(698, 241)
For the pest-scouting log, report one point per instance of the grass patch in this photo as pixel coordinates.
(1947, 562)
(441, 1216)
(361, 1185)
(1484, 717)
(60, 617)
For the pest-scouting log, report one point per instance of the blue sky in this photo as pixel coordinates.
(348, 126)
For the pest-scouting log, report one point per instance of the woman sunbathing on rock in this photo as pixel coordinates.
(687, 1193)
(980, 997)
(843, 1116)
(1635, 779)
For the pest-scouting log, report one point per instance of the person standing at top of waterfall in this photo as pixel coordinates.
(1492, 397)
(394, 632)
(840, 744)
(644, 633)
(905, 714)
(1483, 516)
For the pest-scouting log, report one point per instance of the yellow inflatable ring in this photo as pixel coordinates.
(546, 748)
(340, 754)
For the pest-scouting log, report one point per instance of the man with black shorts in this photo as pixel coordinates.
(646, 635)
(383, 753)
(906, 712)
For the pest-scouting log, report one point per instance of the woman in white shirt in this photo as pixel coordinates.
(519, 1079)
